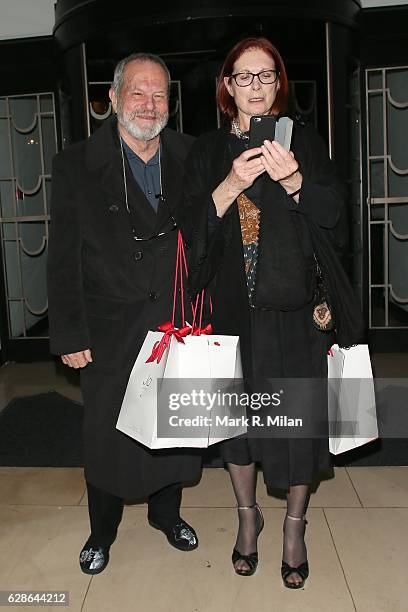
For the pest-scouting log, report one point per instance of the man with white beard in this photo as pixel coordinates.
(111, 264)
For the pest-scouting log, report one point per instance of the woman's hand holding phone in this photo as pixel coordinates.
(273, 137)
(281, 165)
(244, 170)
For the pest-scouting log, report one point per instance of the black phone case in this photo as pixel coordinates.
(261, 128)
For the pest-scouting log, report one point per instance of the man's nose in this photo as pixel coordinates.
(150, 103)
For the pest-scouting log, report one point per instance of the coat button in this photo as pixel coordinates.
(138, 255)
(113, 208)
(153, 296)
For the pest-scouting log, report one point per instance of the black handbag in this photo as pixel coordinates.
(322, 314)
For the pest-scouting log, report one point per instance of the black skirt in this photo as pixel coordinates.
(286, 345)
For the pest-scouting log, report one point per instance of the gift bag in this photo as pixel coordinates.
(138, 410)
(173, 365)
(351, 398)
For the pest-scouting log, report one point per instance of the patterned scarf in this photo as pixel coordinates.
(249, 219)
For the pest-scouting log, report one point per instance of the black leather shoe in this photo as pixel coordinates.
(93, 560)
(180, 535)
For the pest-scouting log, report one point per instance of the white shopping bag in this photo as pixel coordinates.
(209, 357)
(351, 398)
(141, 392)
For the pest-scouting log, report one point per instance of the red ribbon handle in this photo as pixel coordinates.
(168, 328)
(160, 346)
(181, 273)
(199, 303)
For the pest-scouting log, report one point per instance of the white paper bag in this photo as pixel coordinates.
(351, 399)
(208, 357)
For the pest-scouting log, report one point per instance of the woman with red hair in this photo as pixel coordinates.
(255, 220)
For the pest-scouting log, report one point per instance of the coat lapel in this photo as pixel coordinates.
(172, 169)
(104, 156)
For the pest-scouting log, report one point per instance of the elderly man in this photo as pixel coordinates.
(110, 273)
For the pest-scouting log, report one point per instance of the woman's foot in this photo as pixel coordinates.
(295, 567)
(245, 554)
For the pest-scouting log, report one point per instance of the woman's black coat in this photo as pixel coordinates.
(217, 256)
(106, 291)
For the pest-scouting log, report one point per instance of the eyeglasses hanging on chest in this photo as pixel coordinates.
(160, 196)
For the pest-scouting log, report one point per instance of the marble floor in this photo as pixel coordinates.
(357, 536)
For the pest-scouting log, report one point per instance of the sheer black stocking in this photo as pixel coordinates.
(243, 478)
(294, 548)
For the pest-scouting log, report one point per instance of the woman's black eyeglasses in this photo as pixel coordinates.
(267, 77)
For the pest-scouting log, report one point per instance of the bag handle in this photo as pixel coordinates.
(181, 273)
(199, 305)
(168, 328)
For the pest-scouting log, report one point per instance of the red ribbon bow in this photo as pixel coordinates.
(169, 331)
(203, 330)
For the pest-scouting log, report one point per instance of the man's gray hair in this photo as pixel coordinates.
(118, 77)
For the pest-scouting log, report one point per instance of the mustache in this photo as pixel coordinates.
(147, 115)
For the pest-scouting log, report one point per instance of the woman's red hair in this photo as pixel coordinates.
(226, 102)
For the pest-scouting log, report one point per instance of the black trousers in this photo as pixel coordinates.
(105, 511)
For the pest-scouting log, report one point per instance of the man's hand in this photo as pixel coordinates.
(77, 360)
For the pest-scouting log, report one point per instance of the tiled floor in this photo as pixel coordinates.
(357, 538)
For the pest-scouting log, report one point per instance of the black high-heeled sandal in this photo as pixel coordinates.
(252, 559)
(302, 570)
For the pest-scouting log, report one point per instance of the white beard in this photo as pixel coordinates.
(147, 133)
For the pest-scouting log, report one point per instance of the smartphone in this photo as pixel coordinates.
(283, 132)
(261, 128)
(265, 127)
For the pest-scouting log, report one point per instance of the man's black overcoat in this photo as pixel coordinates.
(106, 290)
